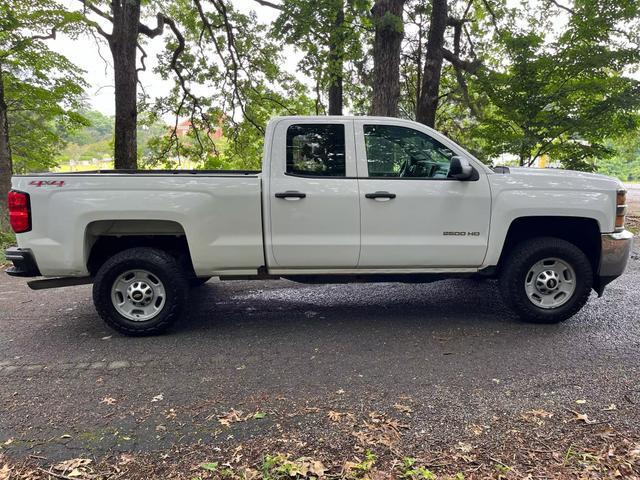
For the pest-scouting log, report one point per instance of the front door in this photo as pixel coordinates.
(414, 215)
(313, 195)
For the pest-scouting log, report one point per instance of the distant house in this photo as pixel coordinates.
(185, 126)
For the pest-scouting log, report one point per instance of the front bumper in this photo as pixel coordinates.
(24, 263)
(614, 256)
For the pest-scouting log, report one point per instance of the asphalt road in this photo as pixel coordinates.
(450, 352)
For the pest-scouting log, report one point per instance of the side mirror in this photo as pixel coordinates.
(460, 168)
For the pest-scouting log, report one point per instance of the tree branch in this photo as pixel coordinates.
(469, 66)
(492, 14)
(266, 3)
(100, 13)
(154, 32)
(96, 10)
(566, 9)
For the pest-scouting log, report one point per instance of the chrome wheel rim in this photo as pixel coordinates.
(138, 295)
(550, 283)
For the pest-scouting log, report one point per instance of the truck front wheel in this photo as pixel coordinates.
(546, 280)
(140, 291)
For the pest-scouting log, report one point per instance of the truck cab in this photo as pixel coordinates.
(368, 194)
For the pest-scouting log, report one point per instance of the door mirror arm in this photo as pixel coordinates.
(460, 168)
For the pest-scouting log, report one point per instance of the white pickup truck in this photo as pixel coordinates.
(338, 199)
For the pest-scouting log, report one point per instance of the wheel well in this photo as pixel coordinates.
(105, 238)
(584, 233)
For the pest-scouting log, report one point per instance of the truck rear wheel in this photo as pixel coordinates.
(140, 291)
(546, 280)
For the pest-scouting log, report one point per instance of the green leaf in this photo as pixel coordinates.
(211, 467)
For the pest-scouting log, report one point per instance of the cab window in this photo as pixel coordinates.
(316, 150)
(394, 151)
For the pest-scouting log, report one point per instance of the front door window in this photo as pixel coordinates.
(394, 151)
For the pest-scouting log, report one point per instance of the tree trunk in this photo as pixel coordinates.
(430, 90)
(6, 165)
(389, 31)
(336, 63)
(122, 42)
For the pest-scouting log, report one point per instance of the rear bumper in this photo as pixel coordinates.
(616, 249)
(24, 263)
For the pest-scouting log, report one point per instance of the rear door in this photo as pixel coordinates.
(313, 195)
(414, 215)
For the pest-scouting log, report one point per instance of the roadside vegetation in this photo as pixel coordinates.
(587, 451)
(7, 238)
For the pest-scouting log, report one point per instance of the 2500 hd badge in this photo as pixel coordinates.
(461, 234)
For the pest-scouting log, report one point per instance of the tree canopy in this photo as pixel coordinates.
(41, 92)
(551, 78)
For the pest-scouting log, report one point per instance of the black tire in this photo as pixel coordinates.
(523, 257)
(196, 282)
(160, 264)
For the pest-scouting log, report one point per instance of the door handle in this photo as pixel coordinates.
(291, 194)
(380, 195)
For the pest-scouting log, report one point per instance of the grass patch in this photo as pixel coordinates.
(7, 238)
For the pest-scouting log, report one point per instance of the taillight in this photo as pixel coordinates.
(621, 209)
(19, 211)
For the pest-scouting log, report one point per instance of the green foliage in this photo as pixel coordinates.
(331, 34)
(210, 467)
(414, 472)
(7, 237)
(625, 163)
(362, 468)
(98, 127)
(562, 97)
(95, 140)
(43, 90)
(243, 69)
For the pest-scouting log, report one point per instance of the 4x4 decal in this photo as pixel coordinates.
(47, 183)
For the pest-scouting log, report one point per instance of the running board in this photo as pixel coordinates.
(59, 282)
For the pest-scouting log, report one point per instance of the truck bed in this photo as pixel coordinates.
(217, 212)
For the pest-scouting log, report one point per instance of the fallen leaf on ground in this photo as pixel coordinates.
(581, 417)
(539, 413)
(232, 416)
(581, 402)
(334, 416)
(304, 466)
(237, 456)
(170, 414)
(158, 398)
(464, 447)
(403, 408)
(5, 472)
(73, 464)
